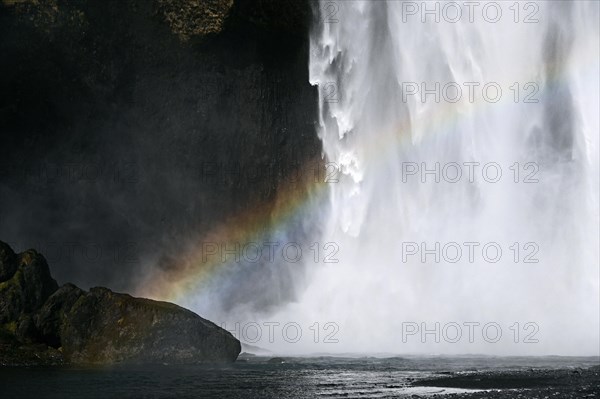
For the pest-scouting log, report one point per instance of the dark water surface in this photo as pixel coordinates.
(262, 377)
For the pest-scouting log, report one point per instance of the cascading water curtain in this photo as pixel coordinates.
(466, 208)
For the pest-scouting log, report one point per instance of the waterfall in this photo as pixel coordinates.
(466, 140)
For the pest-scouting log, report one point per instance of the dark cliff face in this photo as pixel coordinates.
(127, 129)
(43, 324)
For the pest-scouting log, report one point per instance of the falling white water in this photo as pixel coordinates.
(364, 57)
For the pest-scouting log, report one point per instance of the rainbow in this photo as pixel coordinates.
(192, 271)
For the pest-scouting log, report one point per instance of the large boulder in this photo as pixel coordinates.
(105, 327)
(55, 325)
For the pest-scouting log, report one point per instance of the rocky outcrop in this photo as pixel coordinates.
(189, 18)
(104, 327)
(43, 324)
(26, 290)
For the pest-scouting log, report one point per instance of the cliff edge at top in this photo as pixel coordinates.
(185, 18)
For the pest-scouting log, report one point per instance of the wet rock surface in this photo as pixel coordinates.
(26, 289)
(42, 324)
